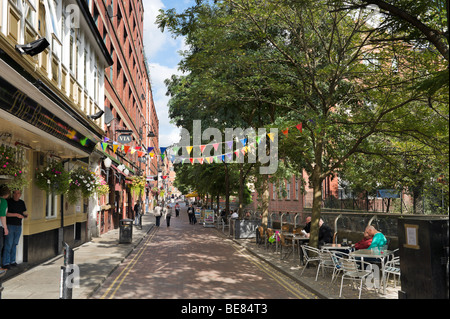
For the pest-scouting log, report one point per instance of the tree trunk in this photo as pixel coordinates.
(227, 189)
(241, 190)
(316, 182)
(265, 201)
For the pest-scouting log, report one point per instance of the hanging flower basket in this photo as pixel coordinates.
(53, 179)
(137, 185)
(102, 187)
(83, 184)
(9, 167)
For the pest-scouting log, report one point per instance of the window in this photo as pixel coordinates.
(288, 190)
(274, 192)
(72, 40)
(85, 68)
(95, 83)
(296, 188)
(51, 206)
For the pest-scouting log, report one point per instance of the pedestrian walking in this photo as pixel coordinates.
(157, 211)
(168, 214)
(17, 211)
(177, 209)
(191, 214)
(137, 212)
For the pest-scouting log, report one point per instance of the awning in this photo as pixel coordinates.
(193, 194)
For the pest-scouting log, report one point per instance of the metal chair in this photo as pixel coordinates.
(260, 235)
(284, 244)
(309, 254)
(269, 233)
(336, 257)
(351, 270)
(392, 267)
(325, 261)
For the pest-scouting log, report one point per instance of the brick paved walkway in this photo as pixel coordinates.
(193, 262)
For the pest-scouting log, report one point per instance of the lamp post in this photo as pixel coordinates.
(107, 162)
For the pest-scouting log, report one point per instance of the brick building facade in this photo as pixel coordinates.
(129, 103)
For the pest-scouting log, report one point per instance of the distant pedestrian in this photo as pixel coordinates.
(168, 214)
(4, 193)
(157, 211)
(177, 209)
(191, 214)
(137, 212)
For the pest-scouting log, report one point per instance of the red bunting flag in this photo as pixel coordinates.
(285, 132)
(300, 127)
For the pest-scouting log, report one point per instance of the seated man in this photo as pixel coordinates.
(378, 240)
(365, 242)
(325, 233)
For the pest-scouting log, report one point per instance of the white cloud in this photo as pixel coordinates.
(168, 133)
(162, 54)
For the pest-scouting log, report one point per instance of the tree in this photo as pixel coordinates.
(335, 80)
(309, 62)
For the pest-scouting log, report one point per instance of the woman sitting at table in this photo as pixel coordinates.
(378, 241)
(365, 242)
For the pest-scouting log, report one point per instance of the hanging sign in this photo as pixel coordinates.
(124, 139)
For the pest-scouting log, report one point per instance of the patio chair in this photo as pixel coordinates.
(309, 254)
(325, 261)
(269, 233)
(392, 267)
(285, 245)
(285, 228)
(260, 236)
(336, 257)
(351, 270)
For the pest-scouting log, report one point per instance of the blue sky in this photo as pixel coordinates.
(163, 57)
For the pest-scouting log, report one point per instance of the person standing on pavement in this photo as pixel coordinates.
(16, 212)
(4, 193)
(137, 211)
(191, 213)
(157, 211)
(168, 214)
(177, 209)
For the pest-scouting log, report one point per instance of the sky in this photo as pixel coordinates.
(162, 55)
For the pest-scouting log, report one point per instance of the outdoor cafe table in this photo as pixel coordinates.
(382, 255)
(339, 247)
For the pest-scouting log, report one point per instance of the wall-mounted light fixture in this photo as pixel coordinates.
(97, 115)
(33, 48)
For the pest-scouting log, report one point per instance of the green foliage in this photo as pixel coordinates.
(83, 184)
(53, 179)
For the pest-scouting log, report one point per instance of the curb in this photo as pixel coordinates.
(94, 290)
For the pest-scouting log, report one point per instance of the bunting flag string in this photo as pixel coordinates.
(246, 147)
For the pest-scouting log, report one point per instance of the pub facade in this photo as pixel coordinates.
(52, 64)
